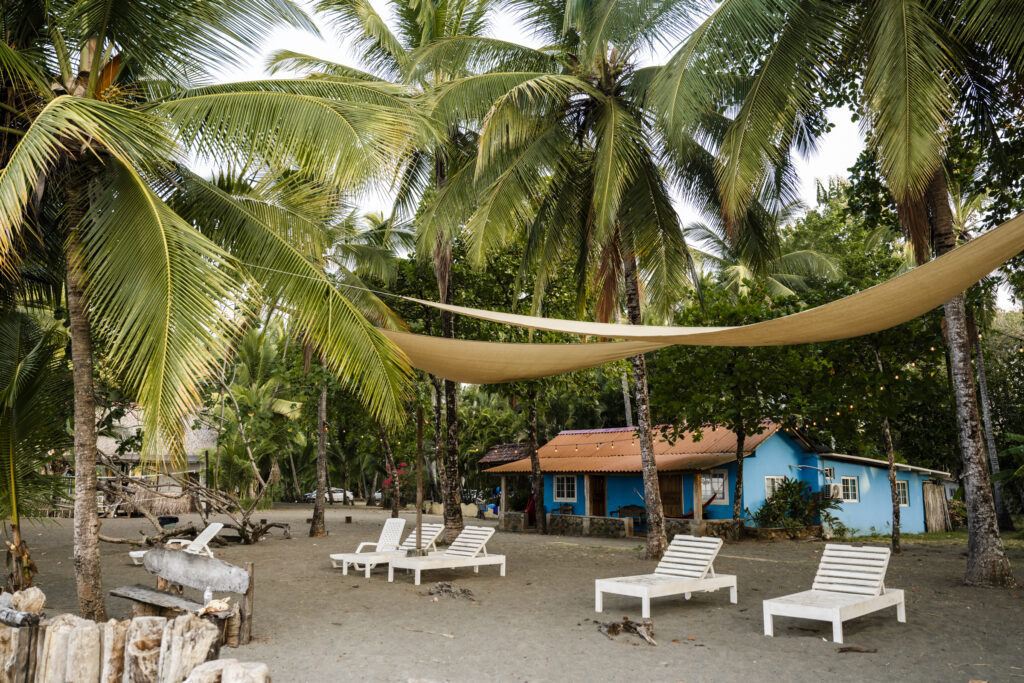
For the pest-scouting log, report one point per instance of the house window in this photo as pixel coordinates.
(770, 484)
(903, 492)
(830, 473)
(851, 494)
(565, 488)
(715, 483)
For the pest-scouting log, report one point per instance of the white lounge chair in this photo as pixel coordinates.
(850, 583)
(686, 568)
(197, 546)
(468, 550)
(365, 562)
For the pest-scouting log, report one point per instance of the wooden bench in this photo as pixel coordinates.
(175, 569)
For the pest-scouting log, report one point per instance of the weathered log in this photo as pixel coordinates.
(112, 656)
(188, 641)
(246, 608)
(53, 657)
(17, 618)
(8, 648)
(26, 648)
(31, 600)
(142, 650)
(196, 571)
(230, 671)
(231, 630)
(84, 652)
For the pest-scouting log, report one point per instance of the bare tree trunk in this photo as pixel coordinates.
(890, 453)
(389, 462)
(295, 476)
(317, 528)
(419, 475)
(1003, 517)
(536, 477)
(87, 523)
(626, 404)
(987, 564)
(656, 541)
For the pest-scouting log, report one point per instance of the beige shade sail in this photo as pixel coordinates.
(878, 308)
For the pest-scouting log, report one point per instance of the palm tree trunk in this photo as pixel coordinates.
(451, 486)
(737, 495)
(626, 405)
(656, 541)
(536, 476)
(87, 522)
(389, 462)
(890, 453)
(987, 564)
(317, 528)
(1003, 517)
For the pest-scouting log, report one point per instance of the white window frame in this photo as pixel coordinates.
(710, 475)
(855, 489)
(771, 482)
(829, 472)
(903, 492)
(564, 498)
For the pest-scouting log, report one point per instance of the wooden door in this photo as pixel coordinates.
(671, 486)
(598, 496)
(936, 513)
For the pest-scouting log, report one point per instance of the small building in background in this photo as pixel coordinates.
(597, 472)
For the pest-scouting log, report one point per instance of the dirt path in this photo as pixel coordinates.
(537, 624)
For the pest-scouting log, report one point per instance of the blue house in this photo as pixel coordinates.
(596, 472)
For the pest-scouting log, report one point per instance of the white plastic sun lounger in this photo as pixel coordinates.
(468, 550)
(365, 562)
(850, 583)
(686, 568)
(197, 546)
(390, 535)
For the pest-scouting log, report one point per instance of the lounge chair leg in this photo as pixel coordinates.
(417, 577)
(476, 569)
(391, 574)
(769, 627)
(686, 596)
(503, 569)
(598, 600)
(732, 594)
(645, 607)
(344, 568)
(368, 568)
(837, 630)
(901, 612)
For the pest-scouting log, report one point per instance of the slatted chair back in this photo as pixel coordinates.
(391, 534)
(204, 538)
(430, 534)
(470, 542)
(690, 557)
(852, 569)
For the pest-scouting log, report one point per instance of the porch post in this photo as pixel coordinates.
(698, 499)
(587, 509)
(504, 494)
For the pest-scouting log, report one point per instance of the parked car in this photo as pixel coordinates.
(340, 495)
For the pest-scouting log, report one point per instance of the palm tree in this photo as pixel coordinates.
(570, 156)
(920, 68)
(103, 108)
(438, 167)
(34, 385)
(738, 264)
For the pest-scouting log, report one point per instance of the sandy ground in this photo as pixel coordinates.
(537, 623)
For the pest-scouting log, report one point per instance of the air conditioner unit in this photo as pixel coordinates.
(834, 490)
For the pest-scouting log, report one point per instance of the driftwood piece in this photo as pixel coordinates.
(246, 608)
(196, 571)
(18, 653)
(112, 655)
(232, 626)
(31, 600)
(53, 657)
(142, 650)
(643, 628)
(84, 651)
(17, 618)
(230, 671)
(188, 641)
(151, 596)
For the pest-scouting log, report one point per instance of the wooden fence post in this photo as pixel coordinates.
(246, 608)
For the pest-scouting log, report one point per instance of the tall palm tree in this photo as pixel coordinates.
(104, 108)
(913, 69)
(570, 155)
(737, 264)
(434, 168)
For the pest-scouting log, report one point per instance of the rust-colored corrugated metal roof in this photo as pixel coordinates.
(505, 452)
(617, 450)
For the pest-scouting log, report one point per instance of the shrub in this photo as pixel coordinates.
(794, 505)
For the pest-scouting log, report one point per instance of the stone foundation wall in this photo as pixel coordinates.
(512, 521)
(771, 534)
(581, 525)
(720, 528)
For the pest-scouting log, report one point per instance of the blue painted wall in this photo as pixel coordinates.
(874, 509)
(779, 456)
